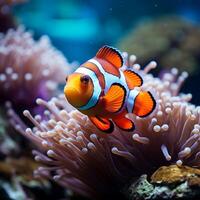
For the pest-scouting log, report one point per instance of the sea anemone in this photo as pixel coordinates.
(29, 69)
(98, 165)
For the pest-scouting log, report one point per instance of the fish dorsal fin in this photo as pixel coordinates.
(114, 98)
(111, 55)
(133, 79)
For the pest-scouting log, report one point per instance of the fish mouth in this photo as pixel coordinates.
(72, 95)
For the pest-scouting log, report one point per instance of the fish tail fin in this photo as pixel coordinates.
(144, 104)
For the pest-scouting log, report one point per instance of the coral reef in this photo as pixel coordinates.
(90, 163)
(2, 122)
(7, 145)
(174, 173)
(16, 169)
(172, 182)
(17, 181)
(29, 69)
(171, 41)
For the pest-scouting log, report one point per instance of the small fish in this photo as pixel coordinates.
(105, 93)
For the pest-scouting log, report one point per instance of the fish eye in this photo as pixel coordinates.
(66, 78)
(85, 79)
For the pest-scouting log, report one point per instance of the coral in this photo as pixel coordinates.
(2, 122)
(7, 144)
(171, 41)
(98, 165)
(139, 189)
(16, 169)
(181, 183)
(173, 173)
(29, 68)
(17, 181)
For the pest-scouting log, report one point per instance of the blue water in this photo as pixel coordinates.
(79, 28)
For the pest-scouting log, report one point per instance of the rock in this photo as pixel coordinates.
(173, 174)
(140, 188)
(168, 182)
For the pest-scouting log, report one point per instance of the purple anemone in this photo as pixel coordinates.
(29, 69)
(80, 157)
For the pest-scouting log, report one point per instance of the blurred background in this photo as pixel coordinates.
(166, 31)
(80, 27)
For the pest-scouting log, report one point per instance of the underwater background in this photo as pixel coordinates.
(76, 25)
(48, 150)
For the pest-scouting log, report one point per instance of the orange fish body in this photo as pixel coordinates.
(105, 93)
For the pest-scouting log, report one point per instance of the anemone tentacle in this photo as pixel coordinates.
(97, 165)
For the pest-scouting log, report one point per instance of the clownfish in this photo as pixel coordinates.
(106, 93)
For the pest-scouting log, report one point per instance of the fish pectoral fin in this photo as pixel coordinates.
(114, 98)
(111, 55)
(133, 79)
(144, 104)
(124, 123)
(102, 124)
